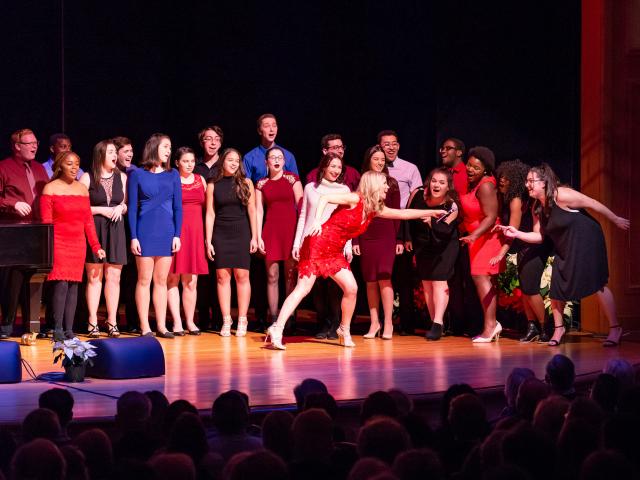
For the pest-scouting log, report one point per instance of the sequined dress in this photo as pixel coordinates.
(322, 255)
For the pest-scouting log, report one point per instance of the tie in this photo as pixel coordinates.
(30, 179)
(390, 164)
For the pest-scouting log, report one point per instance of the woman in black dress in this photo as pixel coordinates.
(580, 264)
(435, 243)
(231, 235)
(107, 186)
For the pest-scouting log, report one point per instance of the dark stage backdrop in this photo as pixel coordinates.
(503, 74)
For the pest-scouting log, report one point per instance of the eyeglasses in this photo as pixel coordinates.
(211, 139)
(447, 148)
(276, 157)
(35, 144)
(389, 144)
(337, 147)
(531, 181)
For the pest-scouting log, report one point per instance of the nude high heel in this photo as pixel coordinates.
(345, 336)
(494, 335)
(225, 331)
(241, 331)
(275, 334)
(373, 332)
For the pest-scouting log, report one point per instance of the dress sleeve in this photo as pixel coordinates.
(132, 207)
(46, 208)
(297, 241)
(90, 227)
(177, 205)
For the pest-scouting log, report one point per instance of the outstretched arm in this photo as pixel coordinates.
(336, 198)
(409, 213)
(568, 197)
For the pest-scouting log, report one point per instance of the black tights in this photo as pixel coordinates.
(64, 300)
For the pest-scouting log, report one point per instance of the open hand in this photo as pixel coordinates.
(622, 223)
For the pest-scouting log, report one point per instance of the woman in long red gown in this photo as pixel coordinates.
(322, 251)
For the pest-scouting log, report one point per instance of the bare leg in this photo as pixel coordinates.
(345, 280)
(302, 289)
(557, 308)
(173, 300)
(386, 295)
(189, 297)
(94, 288)
(487, 294)
(143, 286)
(608, 305)
(224, 290)
(160, 274)
(373, 298)
(534, 307)
(427, 288)
(112, 275)
(244, 290)
(440, 290)
(273, 276)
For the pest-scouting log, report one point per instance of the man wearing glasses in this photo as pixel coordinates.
(452, 155)
(408, 178)
(210, 139)
(332, 142)
(22, 180)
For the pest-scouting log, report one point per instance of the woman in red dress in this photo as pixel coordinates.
(280, 195)
(480, 209)
(190, 260)
(322, 251)
(65, 203)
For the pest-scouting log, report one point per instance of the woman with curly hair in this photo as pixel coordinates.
(322, 254)
(515, 210)
(231, 235)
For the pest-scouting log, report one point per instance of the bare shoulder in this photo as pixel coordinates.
(49, 188)
(79, 189)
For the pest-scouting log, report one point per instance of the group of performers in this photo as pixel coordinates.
(182, 217)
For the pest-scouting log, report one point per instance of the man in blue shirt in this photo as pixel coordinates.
(255, 166)
(58, 142)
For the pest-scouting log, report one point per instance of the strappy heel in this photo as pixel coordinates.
(241, 331)
(553, 342)
(225, 331)
(112, 330)
(94, 331)
(345, 336)
(613, 343)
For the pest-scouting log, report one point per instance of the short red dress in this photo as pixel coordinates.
(72, 220)
(279, 229)
(190, 259)
(323, 255)
(488, 245)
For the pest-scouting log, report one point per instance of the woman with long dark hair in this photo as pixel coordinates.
(107, 187)
(231, 235)
(580, 264)
(155, 219)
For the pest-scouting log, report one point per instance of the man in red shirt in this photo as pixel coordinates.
(452, 155)
(332, 142)
(22, 180)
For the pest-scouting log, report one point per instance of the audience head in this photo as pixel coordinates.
(66, 165)
(58, 143)
(452, 392)
(267, 129)
(531, 392)
(188, 436)
(481, 162)
(41, 423)
(607, 464)
(39, 459)
(622, 370)
(159, 405)
(124, 149)
(276, 433)
(157, 152)
(576, 441)
(452, 152)
(550, 414)
(583, 408)
(382, 438)
(388, 140)
(133, 409)
(514, 380)
(368, 468)
(97, 450)
(333, 143)
(418, 464)
(529, 449)
(210, 139)
(468, 418)
(560, 374)
(174, 410)
(324, 401)
(76, 465)
(307, 386)
(60, 401)
(173, 466)
(24, 144)
(378, 403)
(312, 433)
(261, 464)
(230, 413)
(404, 404)
(330, 168)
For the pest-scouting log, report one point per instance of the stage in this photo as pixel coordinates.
(198, 368)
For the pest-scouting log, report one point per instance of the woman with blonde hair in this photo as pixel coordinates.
(321, 253)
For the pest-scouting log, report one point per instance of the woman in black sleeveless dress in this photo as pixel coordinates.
(435, 243)
(107, 186)
(580, 264)
(231, 235)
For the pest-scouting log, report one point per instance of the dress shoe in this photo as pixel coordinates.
(495, 334)
(181, 333)
(373, 332)
(345, 336)
(166, 334)
(275, 334)
(435, 333)
(533, 332)
(194, 332)
(613, 340)
(555, 342)
(322, 334)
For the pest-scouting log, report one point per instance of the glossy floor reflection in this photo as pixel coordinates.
(200, 368)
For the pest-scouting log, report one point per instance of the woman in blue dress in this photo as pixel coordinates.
(155, 218)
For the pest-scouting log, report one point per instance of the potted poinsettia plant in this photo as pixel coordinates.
(75, 354)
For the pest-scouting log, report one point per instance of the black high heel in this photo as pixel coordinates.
(613, 343)
(435, 333)
(112, 330)
(533, 332)
(93, 331)
(553, 342)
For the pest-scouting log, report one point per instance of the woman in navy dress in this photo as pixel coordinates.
(155, 218)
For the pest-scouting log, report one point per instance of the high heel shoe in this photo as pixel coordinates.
(112, 330)
(553, 342)
(495, 334)
(387, 336)
(94, 331)
(241, 331)
(435, 333)
(613, 343)
(275, 334)
(345, 336)
(373, 333)
(533, 332)
(225, 331)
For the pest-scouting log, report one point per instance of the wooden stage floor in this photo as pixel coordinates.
(200, 368)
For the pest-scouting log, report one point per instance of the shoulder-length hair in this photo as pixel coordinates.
(57, 162)
(266, 157)
(366, 166)
(98, 157)
(324, 163)
(550, 179)
(239, 179)
(370, 188)
(150, 156)
(180, 152)
(452, 194)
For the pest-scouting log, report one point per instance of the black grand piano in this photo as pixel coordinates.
(29, 248)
